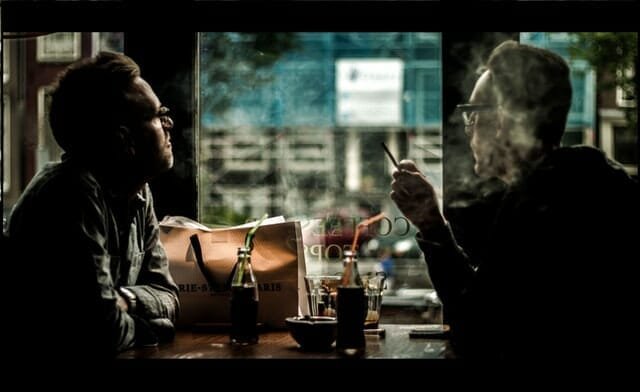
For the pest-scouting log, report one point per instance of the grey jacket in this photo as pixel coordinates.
(79, 244)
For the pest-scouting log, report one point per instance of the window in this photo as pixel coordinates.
(625, 96)
(278, 133)
(107, 41)
(5, 148)
(294, 128)
(47, 150)
(5, 155)
(617, 129)
(31, 62)
(6, 65)
(625, 147)
(58, 47)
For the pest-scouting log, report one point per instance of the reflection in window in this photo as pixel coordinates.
(292, 124)
(303, 115)
(307, 113)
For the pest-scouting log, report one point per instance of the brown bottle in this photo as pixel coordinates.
(351, 309)
(244, 301)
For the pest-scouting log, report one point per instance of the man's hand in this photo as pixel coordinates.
(121, 302)
(415, 197)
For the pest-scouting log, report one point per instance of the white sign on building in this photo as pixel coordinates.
(369, 91)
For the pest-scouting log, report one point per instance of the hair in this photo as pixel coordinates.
(90, 99)
(535, 84)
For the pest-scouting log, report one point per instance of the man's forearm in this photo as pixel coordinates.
(449, 267)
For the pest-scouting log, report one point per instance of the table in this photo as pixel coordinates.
(278, 344)
(277, 359)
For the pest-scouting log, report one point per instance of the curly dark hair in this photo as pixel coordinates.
(90, 99)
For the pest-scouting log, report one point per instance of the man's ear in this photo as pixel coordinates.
(125, 141)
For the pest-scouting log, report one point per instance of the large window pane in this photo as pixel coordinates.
(598, 61)
(292, 124)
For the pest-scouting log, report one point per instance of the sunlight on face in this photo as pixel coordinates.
(151, 135)
(483, 133)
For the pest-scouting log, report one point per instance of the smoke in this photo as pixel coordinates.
(532, 90)
(468, 57)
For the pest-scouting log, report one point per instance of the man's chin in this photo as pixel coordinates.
(166, 165)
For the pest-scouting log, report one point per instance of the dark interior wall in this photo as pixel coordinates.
(168, 62)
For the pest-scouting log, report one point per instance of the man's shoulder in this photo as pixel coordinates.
(56, 193)
(61, 181)
(576, 168)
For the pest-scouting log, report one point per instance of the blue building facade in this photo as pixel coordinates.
(302, 91)
(303, 88)
(582, 115)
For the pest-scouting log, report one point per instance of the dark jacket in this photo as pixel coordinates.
(554, 274)
(74, 243)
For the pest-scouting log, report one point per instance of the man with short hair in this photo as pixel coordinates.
(557, 258)
(84, 231)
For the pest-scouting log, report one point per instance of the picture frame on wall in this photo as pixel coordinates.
(59, 47)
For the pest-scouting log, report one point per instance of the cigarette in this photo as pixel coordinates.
(393, 159)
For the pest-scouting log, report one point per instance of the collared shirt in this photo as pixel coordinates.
(80, 242)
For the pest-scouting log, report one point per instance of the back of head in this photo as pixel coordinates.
(89, 101)
(533, 85)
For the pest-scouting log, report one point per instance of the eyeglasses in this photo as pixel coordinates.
(470, 113)
(165, 119)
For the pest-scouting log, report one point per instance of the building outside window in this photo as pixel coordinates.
(301, 136)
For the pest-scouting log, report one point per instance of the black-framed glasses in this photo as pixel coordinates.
(470, 113)
(165, 119)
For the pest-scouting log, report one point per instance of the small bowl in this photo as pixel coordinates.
(313, 333)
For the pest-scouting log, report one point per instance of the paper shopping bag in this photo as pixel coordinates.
(277, 259)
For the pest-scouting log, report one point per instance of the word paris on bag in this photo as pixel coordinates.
(202, 272)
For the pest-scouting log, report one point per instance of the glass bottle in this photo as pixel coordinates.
(244, 301)
(351, 308)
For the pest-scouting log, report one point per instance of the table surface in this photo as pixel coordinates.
(278, 344)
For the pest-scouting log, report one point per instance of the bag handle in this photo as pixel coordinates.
(210, 278)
